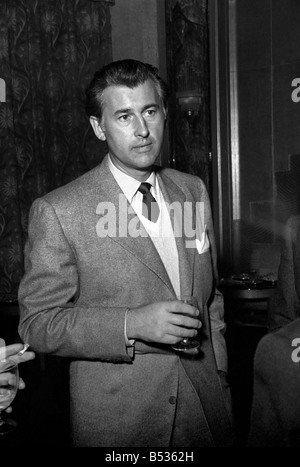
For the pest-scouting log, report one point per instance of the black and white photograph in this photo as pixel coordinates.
(149, 227)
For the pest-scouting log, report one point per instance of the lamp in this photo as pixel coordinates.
(189, 102)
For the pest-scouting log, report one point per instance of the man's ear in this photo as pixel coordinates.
(97, 127)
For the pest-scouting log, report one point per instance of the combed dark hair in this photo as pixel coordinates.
(130, 73)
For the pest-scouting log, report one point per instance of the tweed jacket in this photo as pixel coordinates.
(77, 286)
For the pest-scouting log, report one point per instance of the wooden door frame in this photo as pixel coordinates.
(224, 137)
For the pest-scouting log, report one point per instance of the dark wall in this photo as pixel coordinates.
(268, 60)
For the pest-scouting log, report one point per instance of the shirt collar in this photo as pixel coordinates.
(128, 184)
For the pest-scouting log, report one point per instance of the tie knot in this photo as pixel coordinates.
(144, 188)
(150, 206)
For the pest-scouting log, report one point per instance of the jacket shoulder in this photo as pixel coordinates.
(278, 344)
(184, 180)
(73, 190)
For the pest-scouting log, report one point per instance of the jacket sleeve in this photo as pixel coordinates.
(265, 424)
(216, 303)
(218, 328)
(51, 320)
(285, 306)
(274, 420)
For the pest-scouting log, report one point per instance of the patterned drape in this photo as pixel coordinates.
(49, 51)
(188, 69)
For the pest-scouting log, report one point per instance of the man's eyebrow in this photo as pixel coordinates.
(128, 110)
(122, 111)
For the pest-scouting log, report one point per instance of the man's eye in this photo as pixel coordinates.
(124, 118)
(150, 112)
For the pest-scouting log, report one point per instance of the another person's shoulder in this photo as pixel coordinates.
(289, 332)
(278, 345)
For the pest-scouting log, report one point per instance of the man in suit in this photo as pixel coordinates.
(275, 416)
(102, 279)
(285, 304)
(16, 352)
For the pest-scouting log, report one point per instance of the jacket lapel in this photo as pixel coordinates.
(141, 245)
(173, 194)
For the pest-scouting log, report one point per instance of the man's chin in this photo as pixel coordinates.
(144, 161)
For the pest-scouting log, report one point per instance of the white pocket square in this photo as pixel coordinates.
(202, 244)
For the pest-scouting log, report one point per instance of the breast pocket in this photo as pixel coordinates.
(203, 278)
(202, 243)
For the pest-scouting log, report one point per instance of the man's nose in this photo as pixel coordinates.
(141, 128)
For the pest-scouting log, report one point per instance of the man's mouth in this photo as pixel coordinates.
(143, 147)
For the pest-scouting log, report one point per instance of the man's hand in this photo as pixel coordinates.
(163, 322)
(12, 351)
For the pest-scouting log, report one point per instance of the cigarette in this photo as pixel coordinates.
(24, 349)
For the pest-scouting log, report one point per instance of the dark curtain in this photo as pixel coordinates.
(49, 51)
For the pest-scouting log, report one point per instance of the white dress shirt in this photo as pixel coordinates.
(161, 231)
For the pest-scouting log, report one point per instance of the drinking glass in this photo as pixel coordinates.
(9, 383)
(188, 344)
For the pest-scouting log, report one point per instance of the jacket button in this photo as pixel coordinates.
(172, 400)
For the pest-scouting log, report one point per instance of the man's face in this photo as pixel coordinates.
(133, 126)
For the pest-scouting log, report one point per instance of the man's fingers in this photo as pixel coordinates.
(185, 321)
(183, 308)
(21, 384)
(25, 357)
(9, 350)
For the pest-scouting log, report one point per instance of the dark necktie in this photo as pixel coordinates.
(150, 206)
